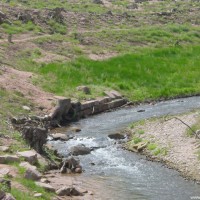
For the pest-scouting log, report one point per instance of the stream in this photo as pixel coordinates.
(117, 174)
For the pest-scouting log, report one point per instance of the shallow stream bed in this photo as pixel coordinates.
(115, 173)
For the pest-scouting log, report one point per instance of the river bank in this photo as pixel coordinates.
(169, 141)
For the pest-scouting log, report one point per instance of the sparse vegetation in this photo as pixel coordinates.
(151, 146)
(136, 140)
(195, 127)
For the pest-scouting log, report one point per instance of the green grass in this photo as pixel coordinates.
(85, 5)
(137, 140)
(155, 150)
(151, 146)
(21, 195)
(151, 74)
(19, 27)
(33, 187)
(160, 151)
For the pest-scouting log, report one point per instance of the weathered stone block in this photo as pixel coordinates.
(116, 103)
(109, 94)
(46, 186)
(116, 94)
(27, 165)
(29, 156)
(113, 94)
(4, 148)
(104, 100)
(89, 104)
(32, 174)
(60, 136)
(8, 158)
(86, 112)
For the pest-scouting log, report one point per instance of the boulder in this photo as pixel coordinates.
(27, 165)
(36, 137)
(29, 156)
(75, 129)
(70, 165)
(46, 186)
(9, 159)
(44, 180)
(4, 148)
(61, 110)
(79, 150)
(2, 194)
(37, 195)
(4, 172)
(78, 170)
(98, 1)
(139, 146)
(32, 174)
(116, 136)
(43, 161)
(141, 110)
(8, 197)
(26, 108)
(60, 136)
(84, 89)
(64, 191)
(68, 191)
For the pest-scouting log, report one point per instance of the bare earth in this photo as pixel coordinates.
(181, 149)
(20, 81)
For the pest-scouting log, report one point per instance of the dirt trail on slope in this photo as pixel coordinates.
(28, 37)
(15, 80)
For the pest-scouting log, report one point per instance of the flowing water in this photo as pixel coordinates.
(118, 174)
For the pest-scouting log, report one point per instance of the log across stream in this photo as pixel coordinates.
(118, 174)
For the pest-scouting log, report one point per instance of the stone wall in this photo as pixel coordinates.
(81, 110)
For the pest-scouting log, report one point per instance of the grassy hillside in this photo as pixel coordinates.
(152, 74)
(155, 46)
(147, 51)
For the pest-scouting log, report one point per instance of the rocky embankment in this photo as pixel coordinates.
(35, 131)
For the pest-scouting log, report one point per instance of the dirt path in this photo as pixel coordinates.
(25, 39)
(182, 150)
(29, 38)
